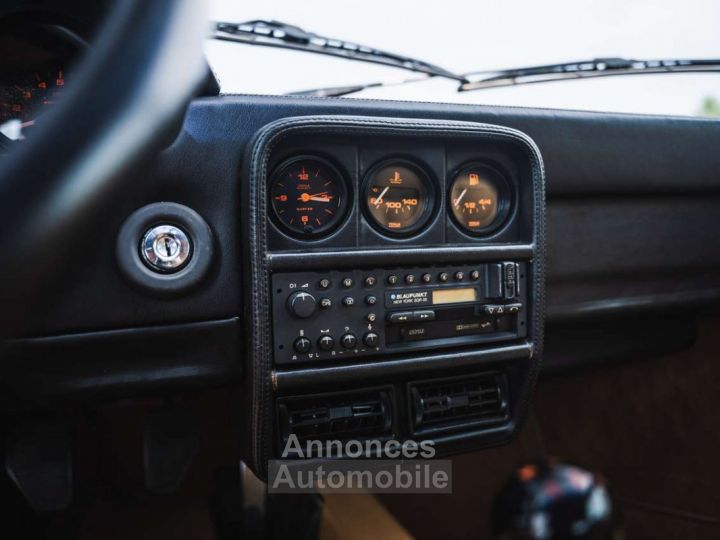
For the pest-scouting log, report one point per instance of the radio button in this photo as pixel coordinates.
(427, 278)
(400, 317)
(371, 339)
(326, 343)
(409, 279)
(348, 341)
(513, 308)
(325, 303)
(392, 279)
(443, 276)
(371, 300)
(424, 315)
(494, 281)
(510, 271)
(302, 345)
(370, 281)
(324, 283)
(348, 301)
(347, 282)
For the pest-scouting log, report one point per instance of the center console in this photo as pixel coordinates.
(395, 281)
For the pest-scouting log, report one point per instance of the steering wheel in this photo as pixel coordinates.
(126, 96)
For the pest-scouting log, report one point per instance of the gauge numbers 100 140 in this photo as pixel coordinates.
(398, 197)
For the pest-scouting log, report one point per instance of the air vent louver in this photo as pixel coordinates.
(459, 403)
(338, 416)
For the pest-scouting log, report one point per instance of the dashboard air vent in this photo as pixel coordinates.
(459, 403)
(338, 415)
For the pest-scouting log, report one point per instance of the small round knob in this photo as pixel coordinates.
(165, 248)
(326, 343)
(371, 339)
(302, 304)
(302, 345)
(348, 341)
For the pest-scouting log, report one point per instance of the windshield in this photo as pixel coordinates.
(465, 36)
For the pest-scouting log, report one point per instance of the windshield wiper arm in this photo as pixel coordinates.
(286, 36)
(598, 67)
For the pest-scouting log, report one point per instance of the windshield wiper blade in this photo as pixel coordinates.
(286, 36)
(598, 67)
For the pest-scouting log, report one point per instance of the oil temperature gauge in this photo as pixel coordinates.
(479, 199)
(399, 197)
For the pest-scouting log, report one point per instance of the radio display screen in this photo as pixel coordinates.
(453, 296)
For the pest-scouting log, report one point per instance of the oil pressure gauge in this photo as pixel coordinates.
(398, 197)
(479, 199)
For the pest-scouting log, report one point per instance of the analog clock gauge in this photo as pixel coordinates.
(308, 197)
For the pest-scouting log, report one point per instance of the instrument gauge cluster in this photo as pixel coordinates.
(36, 61)
(310, 197)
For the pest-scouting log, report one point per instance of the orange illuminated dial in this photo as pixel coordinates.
(478, 198)
(308, 196)
(24, 98)
(398, 197)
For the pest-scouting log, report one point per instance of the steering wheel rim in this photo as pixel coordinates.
(146, 65)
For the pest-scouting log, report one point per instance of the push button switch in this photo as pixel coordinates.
(494, 284)
(510, 272)
(400, 317)
(424, 315)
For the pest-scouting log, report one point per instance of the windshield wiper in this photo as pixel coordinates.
(286, 36)
(598, 67)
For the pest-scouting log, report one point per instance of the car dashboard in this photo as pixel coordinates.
(356, 268)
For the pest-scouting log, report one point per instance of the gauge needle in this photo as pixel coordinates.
(457, 201)
(318, 197)
(378, 201)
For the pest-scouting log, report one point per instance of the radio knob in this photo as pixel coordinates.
(326, 343)
(348, 341)
(371, 339)
(302, 345)
(301, 304)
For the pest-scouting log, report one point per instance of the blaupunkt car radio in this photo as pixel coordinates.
(341, 315)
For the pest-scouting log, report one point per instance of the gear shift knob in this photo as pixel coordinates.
(549, 501)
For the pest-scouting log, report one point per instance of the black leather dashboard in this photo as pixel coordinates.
(632, 206)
